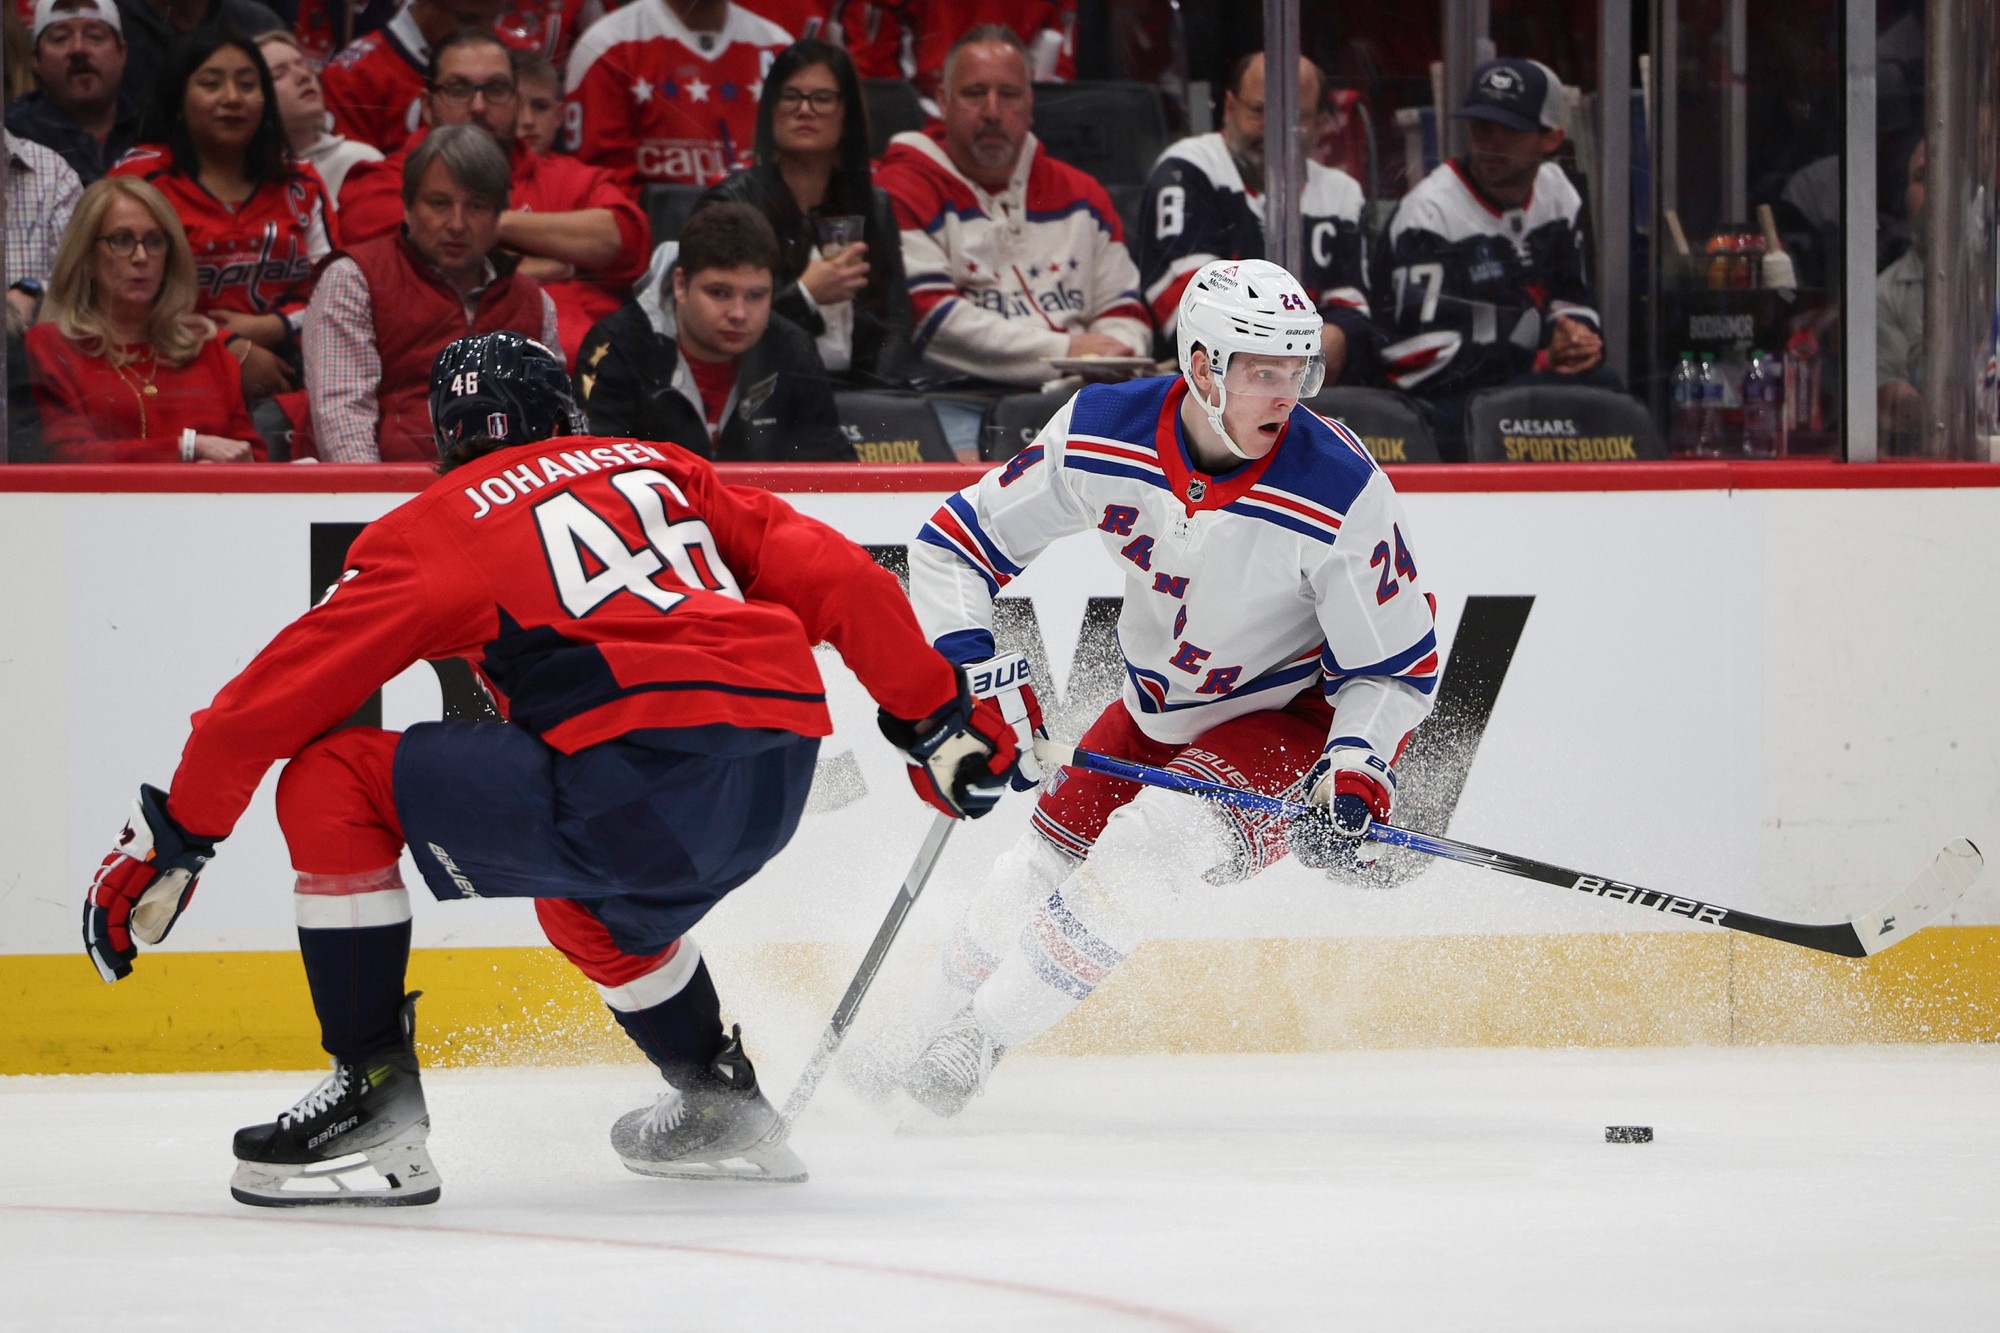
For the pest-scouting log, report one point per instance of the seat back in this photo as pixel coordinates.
(893, 107)
(667, 208)
(1013, 422)
(1112, 130)
(1559, 423)
(892, 428)
(1391, 424)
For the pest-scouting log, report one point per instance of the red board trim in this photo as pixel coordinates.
(840, 478)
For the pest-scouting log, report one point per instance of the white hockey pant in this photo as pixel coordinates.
(1044, 931)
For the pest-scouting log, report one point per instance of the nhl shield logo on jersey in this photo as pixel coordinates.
(1196, 489)
(496, 425)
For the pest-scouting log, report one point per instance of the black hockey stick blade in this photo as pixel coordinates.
(864, 977)
(1928, 896)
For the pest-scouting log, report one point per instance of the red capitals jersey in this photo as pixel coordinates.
(374, 88)
(873, 31)
(800, 18)
(548, 26)
(1047, 26)
(258, 257)
(599, 587)
(656, 103)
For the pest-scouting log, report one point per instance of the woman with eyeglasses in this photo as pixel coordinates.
(841, 261)
(258, 219)
(123, 369)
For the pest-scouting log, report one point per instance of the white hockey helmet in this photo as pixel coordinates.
(1247, 305)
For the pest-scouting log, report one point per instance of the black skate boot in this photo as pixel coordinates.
(718, 1127)
(952, 1069)
(365, 1115)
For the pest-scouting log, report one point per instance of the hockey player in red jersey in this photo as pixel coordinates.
(648, 632)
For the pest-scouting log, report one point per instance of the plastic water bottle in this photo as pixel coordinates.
(1708, 409)
(1685, 434)
(1761, 393)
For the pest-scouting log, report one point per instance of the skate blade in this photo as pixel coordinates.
(762, 1164)
(406, 1171)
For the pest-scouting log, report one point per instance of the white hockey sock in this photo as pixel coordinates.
(1023, 876)
(1150, 852)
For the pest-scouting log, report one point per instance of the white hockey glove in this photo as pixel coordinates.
(1009, 683)
(143, 885)
(1348, 789)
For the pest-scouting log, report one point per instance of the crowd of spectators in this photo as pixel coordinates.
(283, 224)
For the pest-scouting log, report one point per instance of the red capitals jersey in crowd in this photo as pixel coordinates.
(548, 26)
(258, 257)
(936, 24)
(659, 104)
(599, 587)
(371, 205)
(375, 86)
(873, 33)
(800, 18)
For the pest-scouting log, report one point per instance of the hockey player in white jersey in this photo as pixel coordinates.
(1275, 637)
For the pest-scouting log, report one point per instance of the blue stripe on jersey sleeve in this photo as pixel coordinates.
(1298, 525)
(962, 507)
(931, 536)
(1388, 666)
(966, 645)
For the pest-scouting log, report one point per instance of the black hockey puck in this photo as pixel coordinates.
(1628, 1133)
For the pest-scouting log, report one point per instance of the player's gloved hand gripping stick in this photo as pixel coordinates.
(998, 691)
(1940, 884)
(142, 886)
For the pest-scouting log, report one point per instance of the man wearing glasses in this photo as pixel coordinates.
(581, 236)
(375, 84)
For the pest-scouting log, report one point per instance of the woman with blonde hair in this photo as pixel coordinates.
(123, 369)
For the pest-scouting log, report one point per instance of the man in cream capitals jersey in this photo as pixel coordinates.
(1275, 637)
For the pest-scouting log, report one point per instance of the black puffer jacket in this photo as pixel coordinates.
(784, 410)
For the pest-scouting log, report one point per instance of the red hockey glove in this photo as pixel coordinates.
(143, 885)
(962, 757)
(1349, 788)
(1008, 682)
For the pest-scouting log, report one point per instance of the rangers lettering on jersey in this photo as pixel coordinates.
(1214, 625)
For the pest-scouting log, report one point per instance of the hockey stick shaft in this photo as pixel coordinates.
(1934, 890)
(864, 976)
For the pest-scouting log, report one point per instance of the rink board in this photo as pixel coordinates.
(1774, 696)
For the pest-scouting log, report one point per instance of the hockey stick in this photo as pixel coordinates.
(1935, 889)
(864, 976)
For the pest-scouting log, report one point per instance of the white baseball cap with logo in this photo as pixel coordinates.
(51, 12)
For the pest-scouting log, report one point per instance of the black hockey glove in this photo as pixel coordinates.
(961, 758)
(143, 885)
(1348, 789)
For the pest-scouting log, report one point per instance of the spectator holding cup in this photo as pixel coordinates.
(840, 271)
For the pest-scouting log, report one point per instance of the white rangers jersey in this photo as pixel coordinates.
(1197, 209)
(999, 282)
(1471, 290)
(1242, 589)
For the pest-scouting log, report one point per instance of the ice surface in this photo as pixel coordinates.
(1814, 1189)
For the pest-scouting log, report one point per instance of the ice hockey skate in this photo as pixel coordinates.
(719, 1127)
(876, 1066)
(365, 1118)
(953, 1067)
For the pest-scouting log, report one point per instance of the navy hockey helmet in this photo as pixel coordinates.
(506, 387)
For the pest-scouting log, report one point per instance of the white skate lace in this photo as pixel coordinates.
(667, 1113)
(960, 1054)
(331, 1089)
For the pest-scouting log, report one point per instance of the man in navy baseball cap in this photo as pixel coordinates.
(1520, 94)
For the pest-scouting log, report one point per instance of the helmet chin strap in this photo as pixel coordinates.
(1214, 410)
